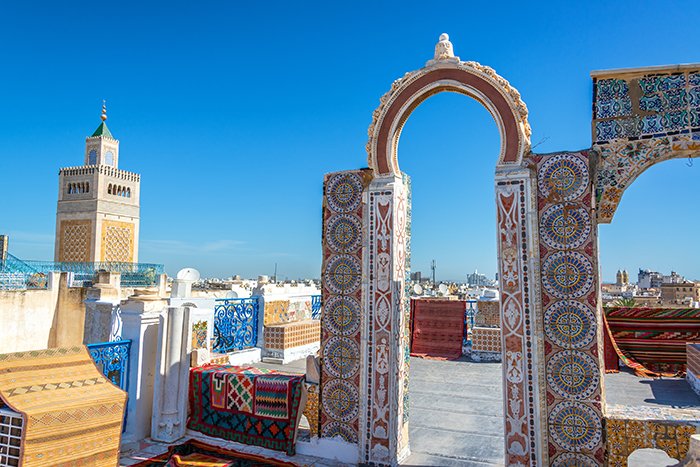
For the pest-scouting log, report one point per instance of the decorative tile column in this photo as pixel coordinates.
(569, 293)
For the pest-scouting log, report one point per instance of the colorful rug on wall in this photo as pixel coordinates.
(437, 328)
(193, 453)
(650, 341)
(247, 405)
(72, 414)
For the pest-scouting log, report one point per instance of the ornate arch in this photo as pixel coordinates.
(447, 73)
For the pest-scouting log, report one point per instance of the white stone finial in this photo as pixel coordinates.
(443, 49)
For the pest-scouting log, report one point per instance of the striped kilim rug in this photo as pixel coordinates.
(193, 453)
(651, 341)
(73, 414)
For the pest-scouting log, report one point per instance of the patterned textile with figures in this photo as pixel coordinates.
(651, 341)
(245, 404)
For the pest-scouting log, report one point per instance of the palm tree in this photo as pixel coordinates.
(627, 302)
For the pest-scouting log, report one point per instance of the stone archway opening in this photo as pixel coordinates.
(364, 367)
(453, 403)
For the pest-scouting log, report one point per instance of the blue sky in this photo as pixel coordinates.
(232, 112)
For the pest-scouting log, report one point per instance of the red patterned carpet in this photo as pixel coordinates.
(193, 453)
(437, 328)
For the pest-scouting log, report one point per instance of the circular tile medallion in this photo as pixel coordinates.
(342, 315)
(344, 192)
(573, 374)
(344, 232)
(562, 228)
(343, 274)
(570, 324)
(340, 400)
(341, 357)
(567, 274)
(345, 431)
(570, 459)
(574, 426)
(563, 177)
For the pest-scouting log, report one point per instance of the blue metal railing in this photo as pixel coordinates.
(470, 311)
(28, 274)
(112, 359)
(316, 307)
(235, 324)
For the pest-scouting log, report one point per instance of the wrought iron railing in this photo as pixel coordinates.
(112, 359)
(235, 324)
(470, 311)
(316, 307)
(28, 274)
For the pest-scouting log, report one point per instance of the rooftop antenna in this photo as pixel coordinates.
(274, 277)
(432, 268)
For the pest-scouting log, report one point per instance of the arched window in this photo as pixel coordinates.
(87, 187)
(109, 158)
(128, 192)
(92, 157)
(109, 189)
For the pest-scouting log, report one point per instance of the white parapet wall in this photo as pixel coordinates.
(39, 319)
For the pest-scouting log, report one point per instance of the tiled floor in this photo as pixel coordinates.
(456, 413)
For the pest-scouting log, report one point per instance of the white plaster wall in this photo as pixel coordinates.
(26, 317)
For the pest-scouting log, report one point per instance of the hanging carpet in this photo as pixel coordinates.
(650, 341)
(72, 414)
(437, 328)
(247, 405)
(193, 453)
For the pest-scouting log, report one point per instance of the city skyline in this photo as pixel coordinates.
(233, 162)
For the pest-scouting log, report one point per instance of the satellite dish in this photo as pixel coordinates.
(231, 294)
(417, 289)
(188, 274)
(443, 289)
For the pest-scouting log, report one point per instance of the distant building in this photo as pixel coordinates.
(479, 280)
(647, 279)
(680, 293)
(416, 276)
(97, 218)
(623, 277)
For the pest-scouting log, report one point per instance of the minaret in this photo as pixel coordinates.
(97, 218)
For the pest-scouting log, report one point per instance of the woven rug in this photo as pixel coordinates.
(193, 453)
(437, 328)
(73, 414)
(651, 341)
(247, 405)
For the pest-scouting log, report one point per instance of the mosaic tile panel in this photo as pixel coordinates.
(341, 320)
(486, 339)
(661, 122)
(568, 258)
(275, 312)
(311, 409)
(644, 106)
(624, 436)
(291, 335)
(621, 162)
(488, 314)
